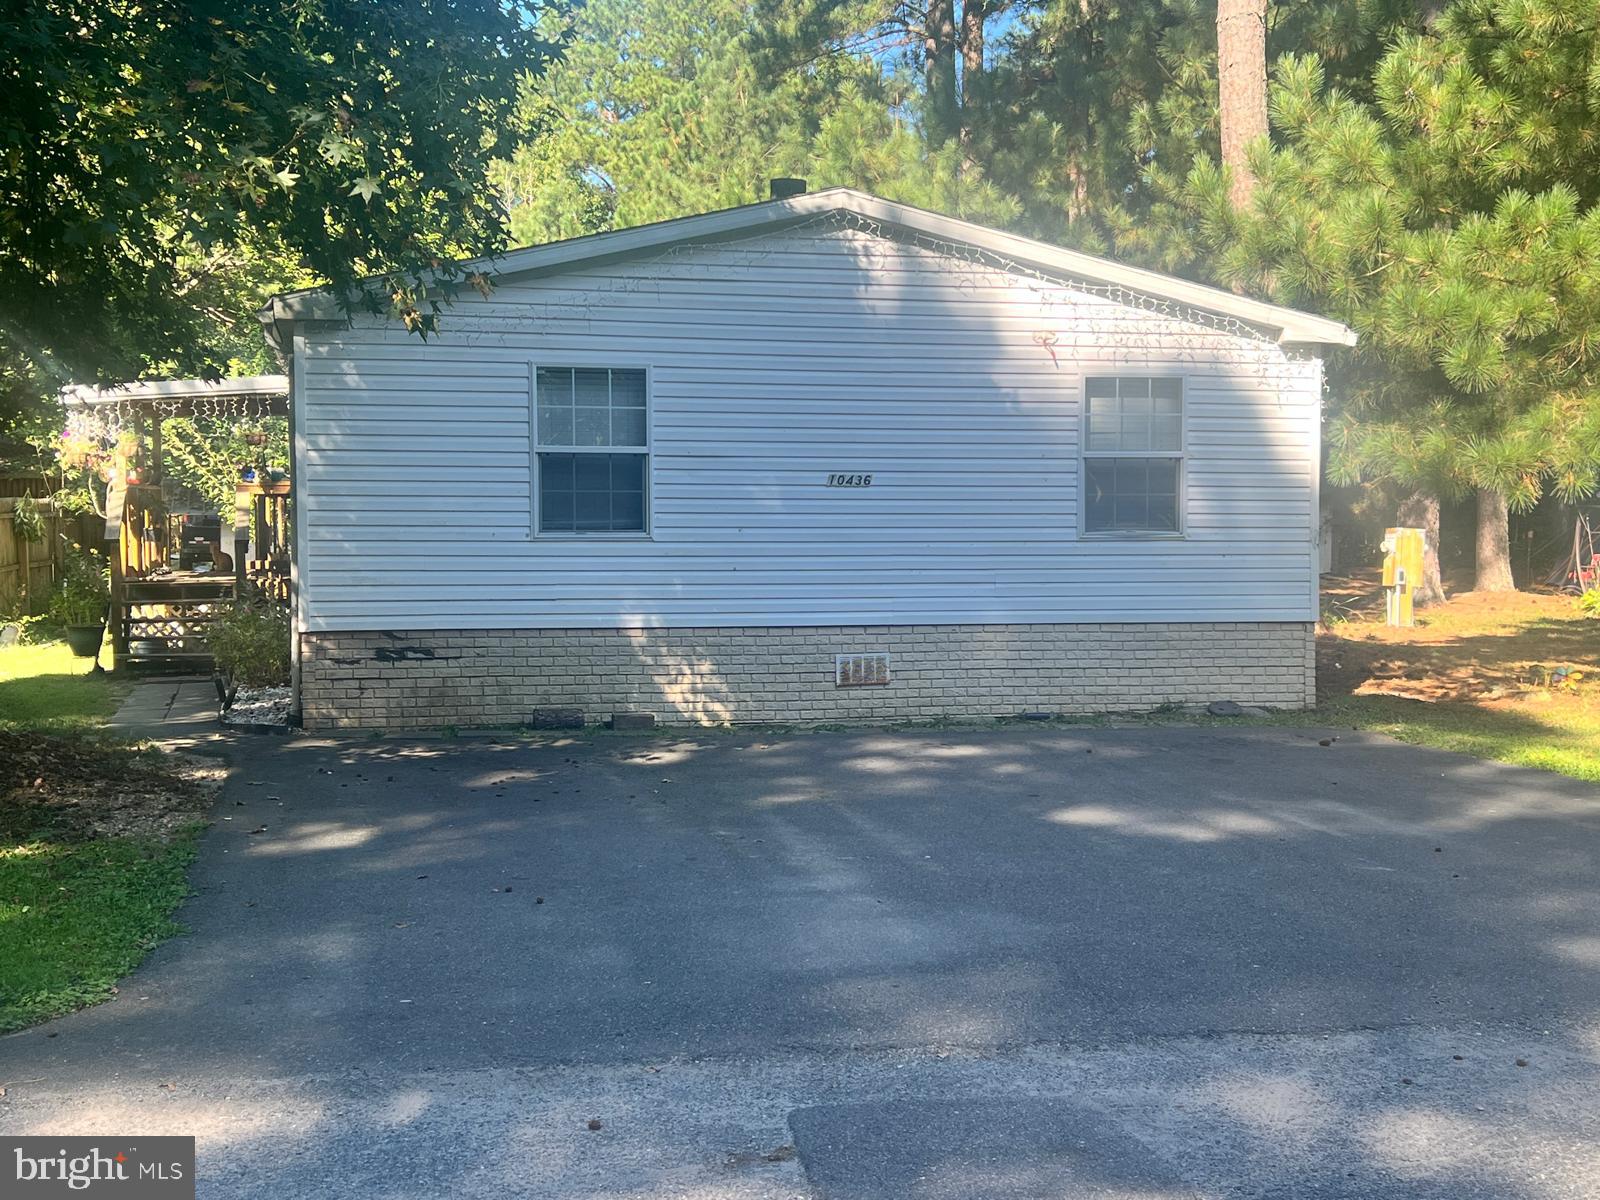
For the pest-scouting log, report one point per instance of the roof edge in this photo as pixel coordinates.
(88, 394)
(1289, 325)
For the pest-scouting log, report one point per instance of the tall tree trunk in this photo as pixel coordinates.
(944, 108)
(1494, 543)
(1077, 197)
(1420, 510)
(1242, 88)
(973, 15)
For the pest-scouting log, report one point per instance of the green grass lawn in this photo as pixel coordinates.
(77, 915)
(84, 895)
(1560, 738)
(48, 687)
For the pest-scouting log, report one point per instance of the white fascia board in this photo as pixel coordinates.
(177, 389)
(319, 305)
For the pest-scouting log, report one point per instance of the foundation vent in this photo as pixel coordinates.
(861, 670)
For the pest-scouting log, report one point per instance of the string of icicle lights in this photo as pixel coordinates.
(1010, 269)
(1072, 315)
(107, 419)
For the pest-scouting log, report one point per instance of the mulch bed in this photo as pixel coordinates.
(77, 788)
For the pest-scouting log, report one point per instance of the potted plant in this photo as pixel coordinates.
(79, 601)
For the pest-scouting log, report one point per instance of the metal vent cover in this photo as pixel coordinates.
(860, 670)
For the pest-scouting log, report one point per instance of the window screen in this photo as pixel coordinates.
(1133, 455)
(593, 450)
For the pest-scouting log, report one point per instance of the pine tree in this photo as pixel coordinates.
(944, 40)
(1478, 301)
(1096, 108)
(684, 121)
(656, 111)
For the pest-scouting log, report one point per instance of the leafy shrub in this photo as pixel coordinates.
(27, 522)
(250, 644)
(1589, 602)
(81, 594)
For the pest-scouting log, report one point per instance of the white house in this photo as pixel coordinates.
(824, 457)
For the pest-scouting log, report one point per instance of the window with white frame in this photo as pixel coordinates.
(593, 448)
(1133, 455)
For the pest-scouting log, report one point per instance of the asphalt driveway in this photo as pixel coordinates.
(1142, 962)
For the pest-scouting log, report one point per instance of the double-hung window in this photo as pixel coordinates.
(1133, 456)
(592, 441)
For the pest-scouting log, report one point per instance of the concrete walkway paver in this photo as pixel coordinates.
(167, 707)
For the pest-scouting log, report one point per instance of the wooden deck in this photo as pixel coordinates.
(159, 616)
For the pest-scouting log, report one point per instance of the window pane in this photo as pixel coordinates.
(555, 471)
(591, 406)
(1106, 440)
(1166, 432)
(592, 493)
(1133, 414)
(555, 426)
(592, 386)
(1132, 512)
(1135, 432)
(593, 511)
(1102, 420)
(1100, 509)
(555, 385)
(627, 472)
(1134, 495)
(627, 388)
(592, 472)
(592, 427)
(627, 426)
(1131, 476)
(1164, 513)
(555, 511)
(627, 510)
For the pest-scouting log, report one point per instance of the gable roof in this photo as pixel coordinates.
(1286, 324)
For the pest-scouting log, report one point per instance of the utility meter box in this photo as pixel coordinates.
(1403, 550)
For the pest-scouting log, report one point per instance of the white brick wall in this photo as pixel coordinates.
(409, 680)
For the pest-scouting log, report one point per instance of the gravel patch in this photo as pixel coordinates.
(259, 706)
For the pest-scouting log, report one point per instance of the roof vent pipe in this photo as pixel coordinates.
(787, 187)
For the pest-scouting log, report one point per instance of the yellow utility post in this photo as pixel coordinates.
(1402, 569)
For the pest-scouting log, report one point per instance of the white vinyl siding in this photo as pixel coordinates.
(774, 363)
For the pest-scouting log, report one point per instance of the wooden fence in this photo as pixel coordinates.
(28, 569)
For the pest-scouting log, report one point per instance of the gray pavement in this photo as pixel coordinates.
(1098, 962)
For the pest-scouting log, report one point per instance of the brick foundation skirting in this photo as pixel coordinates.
(496, 677)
